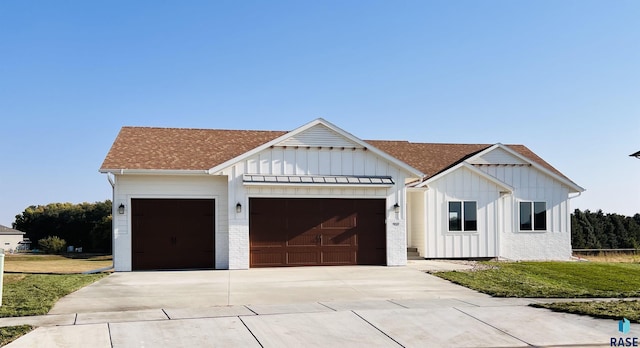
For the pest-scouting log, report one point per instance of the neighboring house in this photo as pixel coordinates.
(10, 239)
(318, 195)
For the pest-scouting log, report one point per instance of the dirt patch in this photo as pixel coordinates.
(475, 265)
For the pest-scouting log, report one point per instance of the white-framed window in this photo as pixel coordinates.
(463, 216)
(533, 216)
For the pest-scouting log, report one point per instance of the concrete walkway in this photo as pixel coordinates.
(313, 307)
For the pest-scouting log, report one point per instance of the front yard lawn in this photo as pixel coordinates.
(598, 309)
(561, 280)
(35, 294)
(552, 279)
(70, 263)
(10, 333)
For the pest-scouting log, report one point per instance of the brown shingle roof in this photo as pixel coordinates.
(181, 148)
(432, 159)
(202, 149)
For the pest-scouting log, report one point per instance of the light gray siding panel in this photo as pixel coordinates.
(497, 156)
(324, 162)
(313, 163)
(301, 163)
(290, 161)
(277, 161)
(318, 135)
(359, 163)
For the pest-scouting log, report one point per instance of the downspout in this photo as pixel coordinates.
(113, 213)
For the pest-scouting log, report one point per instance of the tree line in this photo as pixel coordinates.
(88, 225)
(85, 225)
(596, 230)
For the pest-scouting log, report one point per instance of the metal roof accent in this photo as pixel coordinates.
(259, 179)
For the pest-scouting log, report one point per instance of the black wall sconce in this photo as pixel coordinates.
(396, 208)
(238, 208)
(121, 209)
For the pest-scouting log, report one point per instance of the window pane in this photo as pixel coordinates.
(470, 221)
(540, 219)
(525, 216)
(455, 220)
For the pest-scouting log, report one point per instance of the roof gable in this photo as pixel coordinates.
(546, 169)
(471, 168)
(328, 131)
(319, 135)
(497, 156)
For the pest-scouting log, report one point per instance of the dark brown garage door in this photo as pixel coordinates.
(306, 232)
(172, 233)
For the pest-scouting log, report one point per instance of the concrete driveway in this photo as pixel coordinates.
(290, 307)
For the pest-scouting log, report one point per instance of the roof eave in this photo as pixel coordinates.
(155, 171)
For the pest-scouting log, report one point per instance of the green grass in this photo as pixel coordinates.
(552, 279)
(562, 280)
(598, 309)
(35, 294)
(10, 333)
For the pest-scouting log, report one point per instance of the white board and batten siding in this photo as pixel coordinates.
(532, 185)
(317, 151)
(498, 227)
(460, 185)
(130, 187)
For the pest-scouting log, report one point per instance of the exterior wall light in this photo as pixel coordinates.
(238, 208)
(121, 209)
(396, 208)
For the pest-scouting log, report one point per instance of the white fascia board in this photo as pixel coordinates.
(303, 128)
(546, 171)
(154, 171)
(473, 170)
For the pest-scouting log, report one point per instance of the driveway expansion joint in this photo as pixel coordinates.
(375, 327)
(503, 331)
(165, 313)
(395, 303)
(251, 332)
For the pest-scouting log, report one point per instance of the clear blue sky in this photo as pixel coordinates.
(562, 77)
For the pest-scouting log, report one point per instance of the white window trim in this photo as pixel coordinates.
(533, 224)
(462, 217)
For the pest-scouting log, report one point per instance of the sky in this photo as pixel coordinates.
(561, 77)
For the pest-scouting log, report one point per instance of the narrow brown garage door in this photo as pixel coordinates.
(306, 232)
(172, 233)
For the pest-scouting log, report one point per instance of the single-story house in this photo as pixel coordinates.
(318, 195)
(11, 239)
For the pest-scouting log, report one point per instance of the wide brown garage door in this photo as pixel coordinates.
(306, 232)
(172, 233)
